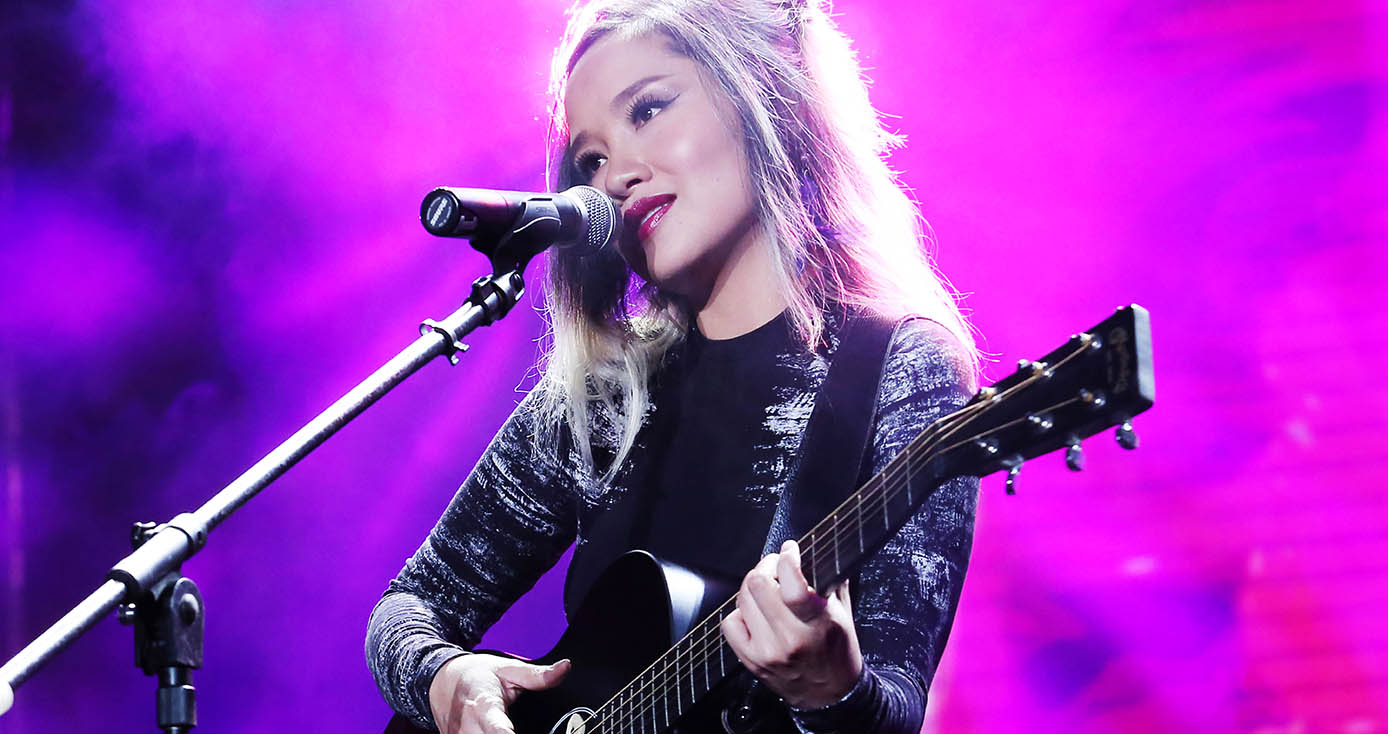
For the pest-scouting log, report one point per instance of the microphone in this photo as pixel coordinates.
(581, 217)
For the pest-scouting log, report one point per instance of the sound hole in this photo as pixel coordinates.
(574, 722)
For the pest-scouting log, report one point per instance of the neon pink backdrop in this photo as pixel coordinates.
(209, 233)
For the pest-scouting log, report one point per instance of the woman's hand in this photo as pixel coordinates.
(798, 643)
(470, 693)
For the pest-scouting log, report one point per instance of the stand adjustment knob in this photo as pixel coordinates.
(188, 609)
(141, 532)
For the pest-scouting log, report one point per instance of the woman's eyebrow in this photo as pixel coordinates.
(622, 97)
(633, 88)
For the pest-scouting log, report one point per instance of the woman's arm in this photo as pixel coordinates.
(509, 523)
(905, 597)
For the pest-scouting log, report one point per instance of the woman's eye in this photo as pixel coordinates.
(644, 110)
(589, 163)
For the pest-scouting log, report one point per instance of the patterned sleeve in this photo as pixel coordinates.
(509, 523)
(905, 597)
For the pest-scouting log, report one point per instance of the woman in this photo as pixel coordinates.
(739, 141)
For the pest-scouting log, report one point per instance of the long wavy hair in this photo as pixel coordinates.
(841, 227)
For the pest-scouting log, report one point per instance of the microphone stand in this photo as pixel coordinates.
(165, 607)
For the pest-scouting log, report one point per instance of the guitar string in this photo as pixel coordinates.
(650, 690)
(646, 693)
(644, 697)
(887, 492)
(864, 501)
(701, 657)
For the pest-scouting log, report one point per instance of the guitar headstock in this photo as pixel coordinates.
(1098, 379)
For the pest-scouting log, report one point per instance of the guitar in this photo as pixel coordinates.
(646, 644)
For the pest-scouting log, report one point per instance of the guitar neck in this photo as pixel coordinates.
(840, 544)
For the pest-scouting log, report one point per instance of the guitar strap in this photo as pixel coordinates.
(834, 461)
(834, 454)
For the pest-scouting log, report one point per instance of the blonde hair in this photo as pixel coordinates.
(842, 229)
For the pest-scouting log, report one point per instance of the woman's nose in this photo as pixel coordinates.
(625, 169)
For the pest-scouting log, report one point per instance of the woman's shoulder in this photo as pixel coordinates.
(926, 355)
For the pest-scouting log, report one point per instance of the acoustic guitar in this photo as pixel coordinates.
(646, 644)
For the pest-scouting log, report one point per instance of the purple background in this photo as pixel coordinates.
(208, 215)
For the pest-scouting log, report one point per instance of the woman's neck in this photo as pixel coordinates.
(745, 295)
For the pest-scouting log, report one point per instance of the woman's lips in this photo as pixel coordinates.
(652, 220)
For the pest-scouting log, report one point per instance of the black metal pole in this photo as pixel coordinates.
(157, 559)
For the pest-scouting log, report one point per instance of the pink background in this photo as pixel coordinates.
(208, 217)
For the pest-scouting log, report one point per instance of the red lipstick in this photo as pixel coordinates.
(644, 215)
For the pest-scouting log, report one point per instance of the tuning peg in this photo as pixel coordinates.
(1014, 468)
(1074, 457)
(1040, 422)
(1127, 437)
(1095, 400)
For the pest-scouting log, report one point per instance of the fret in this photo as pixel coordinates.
(810, 555)
(679, 698)
(647, 702)
(708, 683)
(834, 522)
(886, 510)
(859, 523)
(693, 694)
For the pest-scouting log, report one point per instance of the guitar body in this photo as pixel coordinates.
(636, 610)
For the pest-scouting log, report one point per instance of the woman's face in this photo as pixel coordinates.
(649, 129)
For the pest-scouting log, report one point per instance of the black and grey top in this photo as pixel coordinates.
(717, 448)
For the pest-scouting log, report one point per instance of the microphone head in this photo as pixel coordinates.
(601, 216)
(441, 213)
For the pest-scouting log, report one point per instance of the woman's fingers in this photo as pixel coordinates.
(531, 677)
(757, 595)
(778, 612)
(799, 598)
(493, 717)
(800, 644)
(471, 693)
(482, 714)
(842, 595)
(782, 594)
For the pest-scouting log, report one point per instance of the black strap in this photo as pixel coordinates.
(834, 459)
